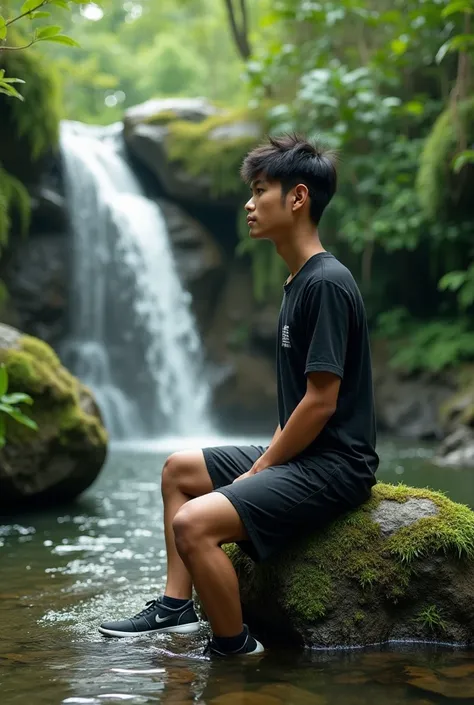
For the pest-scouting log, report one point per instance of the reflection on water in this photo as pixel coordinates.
(104, 557)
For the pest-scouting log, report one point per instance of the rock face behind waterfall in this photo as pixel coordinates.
(62, 458)
(399, 567)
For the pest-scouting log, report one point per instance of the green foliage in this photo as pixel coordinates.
(430, 617)
(13, 198)
(29, 13)
(416, 346)
(37, 123)
(10, 405)
(354, 549)
(463, 283)
(435, 182)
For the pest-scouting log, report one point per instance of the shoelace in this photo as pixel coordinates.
(150, 606)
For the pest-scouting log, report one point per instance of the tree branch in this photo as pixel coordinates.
(25, 14)
(33, 41)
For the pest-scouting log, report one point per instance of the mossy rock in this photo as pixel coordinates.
(65, 455)
(442, 193)
(194, 148)
(399, 567)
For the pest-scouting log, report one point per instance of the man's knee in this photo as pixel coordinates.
(185, 471)
(190, 530)
(170, 474)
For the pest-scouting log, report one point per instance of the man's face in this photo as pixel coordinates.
(268, 216)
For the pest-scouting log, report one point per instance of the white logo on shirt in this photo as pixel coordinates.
(285, 337)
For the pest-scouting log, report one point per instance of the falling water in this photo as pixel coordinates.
(134, 340)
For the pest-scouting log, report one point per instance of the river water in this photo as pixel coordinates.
(64, 571)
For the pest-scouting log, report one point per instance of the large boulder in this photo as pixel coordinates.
(408, 405)
(65, 455)
(399, 567)
(192, 147)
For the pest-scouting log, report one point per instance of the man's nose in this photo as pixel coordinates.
(250, 205)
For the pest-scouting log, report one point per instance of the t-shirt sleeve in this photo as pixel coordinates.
(327, 314)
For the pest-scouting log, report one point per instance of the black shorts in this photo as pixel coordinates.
(284, 502)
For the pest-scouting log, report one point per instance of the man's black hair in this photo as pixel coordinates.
(291, 160)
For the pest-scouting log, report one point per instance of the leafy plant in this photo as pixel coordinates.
(431, 618)
(32, 10)
(9, 407)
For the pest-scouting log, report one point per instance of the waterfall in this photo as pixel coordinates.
(133, 341)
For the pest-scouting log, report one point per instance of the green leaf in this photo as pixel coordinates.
(466, 157)
(46, 32)
(3, 380)
(61, 3)
(12, 80)
(399, 46)
(457, 6)
(19, 417)
(6, 89)
(17, 398)
(39, 15)
(61, 39)
(29, 5)
(3, 28)
(452, 281)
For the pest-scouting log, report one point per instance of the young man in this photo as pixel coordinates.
(321, 461)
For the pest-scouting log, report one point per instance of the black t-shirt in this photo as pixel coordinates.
(323, 327)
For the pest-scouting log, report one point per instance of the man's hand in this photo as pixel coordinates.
(261, 464)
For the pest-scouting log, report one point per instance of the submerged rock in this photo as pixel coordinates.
(62, 458)
(399, 567)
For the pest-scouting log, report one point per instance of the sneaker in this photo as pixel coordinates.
(155, 618)
(250, 647)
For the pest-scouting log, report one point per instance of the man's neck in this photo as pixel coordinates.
(297, 250)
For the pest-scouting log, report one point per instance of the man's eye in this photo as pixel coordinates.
(259, 191)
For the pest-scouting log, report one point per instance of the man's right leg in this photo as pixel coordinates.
(184, 477)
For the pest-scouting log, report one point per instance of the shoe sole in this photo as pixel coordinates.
(179, 629)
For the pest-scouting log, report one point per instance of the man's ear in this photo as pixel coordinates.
(299, 197)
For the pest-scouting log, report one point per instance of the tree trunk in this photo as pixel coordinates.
(239, 30)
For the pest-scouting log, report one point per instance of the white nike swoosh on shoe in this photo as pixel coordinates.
(161, 619)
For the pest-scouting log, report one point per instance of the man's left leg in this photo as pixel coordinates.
(200, 527)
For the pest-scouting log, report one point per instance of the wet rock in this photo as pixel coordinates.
(400, 567)
(149, 135)
(457, 416)
(246, 697)
(288, 693)
(37, 274)
(48, 211)
(198, 258)
(431, 681)
(63, 458)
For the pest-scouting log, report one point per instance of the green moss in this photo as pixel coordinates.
(435, 182)
(37, 118)
(164, 117)
(192, 145)
(14, 198)
(353, 548)
(35, 368)
(75, 423)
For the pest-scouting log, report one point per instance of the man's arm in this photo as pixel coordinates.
(306, 422)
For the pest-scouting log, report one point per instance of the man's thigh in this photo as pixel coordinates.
(226, 463)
